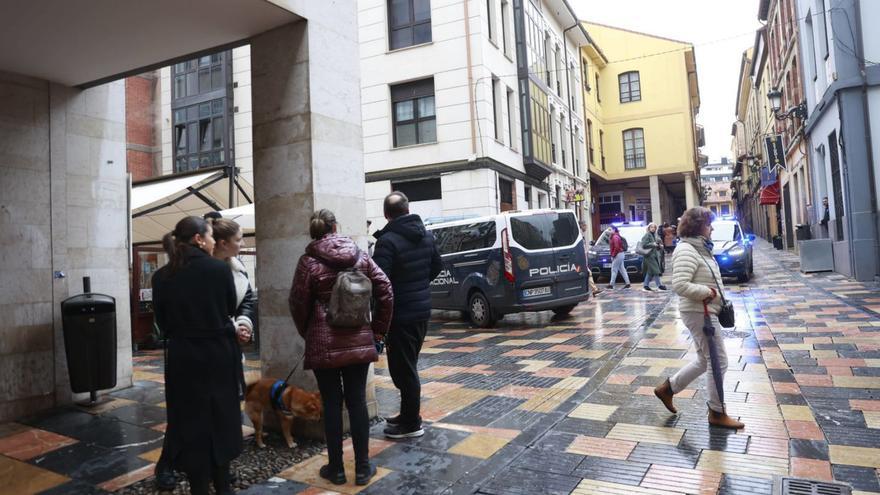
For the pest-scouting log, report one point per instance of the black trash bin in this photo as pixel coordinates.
(777, 242)
(89, 327)
(802, 232)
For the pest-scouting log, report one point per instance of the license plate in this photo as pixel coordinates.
(537, 291)
(606, 265)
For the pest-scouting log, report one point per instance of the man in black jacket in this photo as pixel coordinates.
(405, 251)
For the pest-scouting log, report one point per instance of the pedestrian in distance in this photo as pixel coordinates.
(593, 288)
(194, 300)
(668, 237)
(618, 255)
(406, 253)
(696, 278)
(340, 356)
(651, 249)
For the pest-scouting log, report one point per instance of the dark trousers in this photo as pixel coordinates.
(348, 383)
(404, 344)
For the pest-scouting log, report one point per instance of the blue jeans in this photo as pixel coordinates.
(617, 266)
(649, 278)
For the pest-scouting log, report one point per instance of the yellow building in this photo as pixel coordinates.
(640, 103)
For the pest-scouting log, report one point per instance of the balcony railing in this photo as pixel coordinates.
(634, 161)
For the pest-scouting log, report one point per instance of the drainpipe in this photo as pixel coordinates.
(470, 75)
(860, 50)
(570, 104)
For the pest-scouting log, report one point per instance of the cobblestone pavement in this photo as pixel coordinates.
(543, 405)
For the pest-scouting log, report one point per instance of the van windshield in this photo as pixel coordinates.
(544, 230)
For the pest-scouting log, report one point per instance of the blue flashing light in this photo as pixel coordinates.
(638, 223)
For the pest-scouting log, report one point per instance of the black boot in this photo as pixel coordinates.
(221, 480)
(166, 480)
(333, 474)
(363, 473)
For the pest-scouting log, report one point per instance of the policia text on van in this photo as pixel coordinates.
(510, 263)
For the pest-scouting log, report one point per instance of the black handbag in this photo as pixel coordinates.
(726, 315)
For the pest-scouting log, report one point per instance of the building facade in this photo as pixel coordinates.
(641, 97)
(840, 48)
(715, 181)
(756, 193)
(472, 118)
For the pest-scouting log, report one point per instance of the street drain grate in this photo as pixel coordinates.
(800, 486)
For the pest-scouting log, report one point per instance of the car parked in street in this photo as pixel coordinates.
(511, 262)
(732, 249)
(600, 250)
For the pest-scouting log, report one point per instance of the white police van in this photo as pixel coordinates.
(512, 262)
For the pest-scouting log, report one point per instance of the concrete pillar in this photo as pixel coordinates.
(690, 195)
(89, 207)
(656, 214)
(307, 155)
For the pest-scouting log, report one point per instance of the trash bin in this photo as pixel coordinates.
(89, 327)
(777, 242)
(802, 232)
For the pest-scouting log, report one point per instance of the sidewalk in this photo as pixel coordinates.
(565, 406)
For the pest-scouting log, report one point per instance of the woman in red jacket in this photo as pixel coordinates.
(339, 357)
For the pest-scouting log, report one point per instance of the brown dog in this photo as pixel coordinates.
(301, 404)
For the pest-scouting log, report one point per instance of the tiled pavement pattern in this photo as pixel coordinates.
(565, 406)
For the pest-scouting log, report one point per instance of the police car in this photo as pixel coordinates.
(510, 263)
(732, 248)
(600, 250)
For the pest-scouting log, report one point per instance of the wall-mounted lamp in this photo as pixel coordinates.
(798, 111)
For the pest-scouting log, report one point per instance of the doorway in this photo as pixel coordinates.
(786, 205)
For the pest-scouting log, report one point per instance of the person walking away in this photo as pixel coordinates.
(694, 275)
(339, 357)
(593, 288)
(618, 254)
(194, 300)
(652, 252)
(406, 253)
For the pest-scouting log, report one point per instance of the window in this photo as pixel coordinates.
(490, 18)
(505, 29)
(511, 113)
(722, 194)
(630, 88)
(528, 193)
(598, 96)
(634, 148)
(823, 32)
(547, 60)
(563, 142)
(545, 230)
(199, 112)
(572, 85)
(413, 111)
(725, 209)
(419, 190)
(590, 141)
(554, 138)
(811, 46)
(496, 109)
(505, 194)
(558, 65)
(540, 126)
(602, 148)
(586, 74)
(465, 237)
(409, 23)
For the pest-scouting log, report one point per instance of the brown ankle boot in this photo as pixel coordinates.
(722, 420)
(664, 393)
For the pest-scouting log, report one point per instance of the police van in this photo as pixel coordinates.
(512, 262)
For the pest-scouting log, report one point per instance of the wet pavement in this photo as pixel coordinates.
(544, 405)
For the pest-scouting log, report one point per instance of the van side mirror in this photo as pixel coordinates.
(592, 243)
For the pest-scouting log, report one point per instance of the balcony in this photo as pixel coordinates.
(634, 161)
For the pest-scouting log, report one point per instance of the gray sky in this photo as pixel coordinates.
(719, 29)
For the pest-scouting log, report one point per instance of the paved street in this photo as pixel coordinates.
(540, 405)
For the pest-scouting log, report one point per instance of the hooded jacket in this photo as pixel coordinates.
(407, 254)
(313, 282)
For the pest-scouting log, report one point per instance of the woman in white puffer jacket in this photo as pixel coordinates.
(694, 276)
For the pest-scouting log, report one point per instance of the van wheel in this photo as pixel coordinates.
(564, 310)
(480, 311)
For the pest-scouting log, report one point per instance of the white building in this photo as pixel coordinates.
(464, 117)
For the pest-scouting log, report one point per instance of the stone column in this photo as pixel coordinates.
(89, 207)
(307, 155)
(691, 198)
(656, 214)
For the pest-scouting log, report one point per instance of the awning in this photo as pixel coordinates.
(158, 204)
(770, 194)
(243, 215)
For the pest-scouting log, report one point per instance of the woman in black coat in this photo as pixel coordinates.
(194, 299)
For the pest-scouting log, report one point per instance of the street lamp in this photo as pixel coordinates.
(798, 111)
